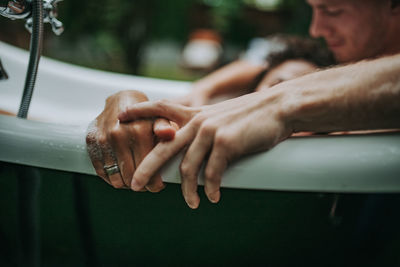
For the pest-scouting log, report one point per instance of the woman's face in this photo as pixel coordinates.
(287, 70)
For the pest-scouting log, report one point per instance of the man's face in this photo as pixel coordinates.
(353, 29)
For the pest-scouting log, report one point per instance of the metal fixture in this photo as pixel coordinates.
(22, 9)
(35, 12)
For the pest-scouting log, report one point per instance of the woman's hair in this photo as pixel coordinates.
(294, 47)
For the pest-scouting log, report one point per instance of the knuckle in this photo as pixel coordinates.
(211, 176)
(186, 170)
(161, 104)
(225, 145)
(102, 140)
(199, 119)
(116, 133)
(90, 138)
(139, 96)
(207, 128)
(223, 140)
(111, 98)
(141, 128)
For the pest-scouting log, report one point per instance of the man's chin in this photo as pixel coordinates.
(342, 57)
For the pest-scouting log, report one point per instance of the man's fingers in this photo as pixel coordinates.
(163, 129)
(171, 111)
(216, 165)
(99, 168)
(157, 157)
(191, 164)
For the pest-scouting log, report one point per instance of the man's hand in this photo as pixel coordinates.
(111, 143)
(215, 134)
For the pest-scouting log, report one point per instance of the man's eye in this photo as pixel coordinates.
(333, 12)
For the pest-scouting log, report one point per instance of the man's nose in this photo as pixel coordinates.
(318, 26)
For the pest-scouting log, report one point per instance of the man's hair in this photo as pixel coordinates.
(282, 47)
(295, 47)
(395, 3)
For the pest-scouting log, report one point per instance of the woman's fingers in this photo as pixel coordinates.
(142, 144)
(163, 129)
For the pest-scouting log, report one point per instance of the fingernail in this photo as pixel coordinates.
(214, 197)
(135, 186)
(156, 188)
(193, 203)
(193, 206)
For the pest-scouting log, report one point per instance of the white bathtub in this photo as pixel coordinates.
(68, 97)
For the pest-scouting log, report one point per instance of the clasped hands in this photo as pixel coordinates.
(126, 133)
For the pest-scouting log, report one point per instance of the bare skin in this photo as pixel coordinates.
(357, 29)
(107, 139)
(110, 142)
(285, 71)
(353, 30)
(235, 79)
(362, 96)
(338, 21)
(4, 112)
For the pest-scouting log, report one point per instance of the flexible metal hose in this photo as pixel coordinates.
(35, 52)
(29, 178)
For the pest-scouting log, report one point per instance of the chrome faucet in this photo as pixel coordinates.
(15, 9)
(22, 9)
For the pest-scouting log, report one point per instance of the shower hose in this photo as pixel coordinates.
(28, 177)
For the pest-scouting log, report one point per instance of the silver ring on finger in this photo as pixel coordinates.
(111, 169)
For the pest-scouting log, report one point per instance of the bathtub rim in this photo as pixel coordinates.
(297, 164)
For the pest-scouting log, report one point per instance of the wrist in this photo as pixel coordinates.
(277, 104)
(302, 104)
(204, 88)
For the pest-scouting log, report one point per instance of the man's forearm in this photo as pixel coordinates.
(361, 96)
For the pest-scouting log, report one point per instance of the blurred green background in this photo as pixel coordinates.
(146, 37)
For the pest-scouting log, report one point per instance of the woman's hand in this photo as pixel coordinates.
(215, 134)
(232, 80)
(200, 94)
(112, 144)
